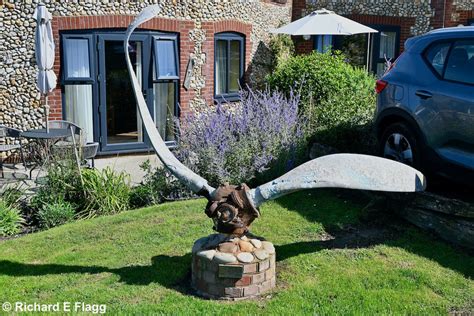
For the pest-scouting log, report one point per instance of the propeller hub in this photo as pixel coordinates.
(231, 210)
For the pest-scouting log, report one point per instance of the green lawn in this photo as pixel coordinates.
(139, 262)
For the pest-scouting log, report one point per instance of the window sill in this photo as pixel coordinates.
(226, 98)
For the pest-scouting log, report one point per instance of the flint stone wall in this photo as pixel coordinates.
(421, 10)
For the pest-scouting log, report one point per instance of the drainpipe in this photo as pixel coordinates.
(444, 12)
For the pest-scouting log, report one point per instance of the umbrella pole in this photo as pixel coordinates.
(368, 52)
(46, 109)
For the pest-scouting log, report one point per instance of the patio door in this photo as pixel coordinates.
(120, 125)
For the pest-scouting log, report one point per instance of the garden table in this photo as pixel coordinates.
(41, 143)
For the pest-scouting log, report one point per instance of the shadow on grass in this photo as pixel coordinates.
(173, 272)
(362, 228)
(376, 229)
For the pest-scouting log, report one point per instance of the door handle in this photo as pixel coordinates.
(423, 94)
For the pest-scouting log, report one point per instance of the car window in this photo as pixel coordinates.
(460, 65)
(436, 56)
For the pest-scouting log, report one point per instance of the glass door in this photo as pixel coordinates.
(121, 128)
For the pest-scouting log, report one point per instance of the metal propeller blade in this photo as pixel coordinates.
(193, 181)
(349, 171)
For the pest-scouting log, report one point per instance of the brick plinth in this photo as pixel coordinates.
(232, 281)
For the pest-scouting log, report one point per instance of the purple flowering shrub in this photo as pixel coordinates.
(260, 138)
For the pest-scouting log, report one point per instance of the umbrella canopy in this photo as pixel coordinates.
(44, 51)
(323, 22)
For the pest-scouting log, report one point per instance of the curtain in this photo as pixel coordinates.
(78, 97)
(387, 45)
(234, 67)
(165, 58)
(220, 67)
(164, 109)
(77, 58)
(323, 43)
(78, 106)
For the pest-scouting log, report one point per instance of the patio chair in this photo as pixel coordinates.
(86, 150)
(12, 133)
(74, 139)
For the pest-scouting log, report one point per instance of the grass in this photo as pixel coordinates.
(139, 262)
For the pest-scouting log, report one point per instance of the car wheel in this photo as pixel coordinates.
(399, 142)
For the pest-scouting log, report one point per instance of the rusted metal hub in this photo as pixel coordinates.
(231, 210)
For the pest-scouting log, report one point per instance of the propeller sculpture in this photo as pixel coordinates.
(233, 208)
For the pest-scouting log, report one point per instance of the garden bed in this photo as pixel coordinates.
(328, 262)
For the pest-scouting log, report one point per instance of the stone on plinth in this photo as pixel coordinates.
(233, 268)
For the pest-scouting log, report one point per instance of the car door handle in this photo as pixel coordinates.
(424, 94)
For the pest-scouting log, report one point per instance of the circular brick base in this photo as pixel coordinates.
(232, 281)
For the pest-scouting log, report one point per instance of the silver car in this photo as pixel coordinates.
(425, 104)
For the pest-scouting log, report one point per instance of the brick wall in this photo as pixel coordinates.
(405, 24)
(211, 28)
(121, 21)
(449, 15)
(182, 27)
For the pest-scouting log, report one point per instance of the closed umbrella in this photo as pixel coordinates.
(44, 50)
(325, 22)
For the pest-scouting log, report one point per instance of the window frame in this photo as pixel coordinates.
(66, 79)
(323, 49)
(375, 50)
(167, 37)
(94, 46)
(228, 37)
(452, 42)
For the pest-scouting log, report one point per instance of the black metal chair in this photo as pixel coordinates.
(10, 133)
(86, 150)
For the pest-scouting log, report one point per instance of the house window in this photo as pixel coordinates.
(165, 84)
(78, 80)
(166, 61)
(228, 65)
(385, 48)
(322, 43)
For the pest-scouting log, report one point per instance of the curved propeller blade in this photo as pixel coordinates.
(193, 181)
(349, 171)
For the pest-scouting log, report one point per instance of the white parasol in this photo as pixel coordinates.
(44, 51)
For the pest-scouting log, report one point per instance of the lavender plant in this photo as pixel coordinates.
(261, 137)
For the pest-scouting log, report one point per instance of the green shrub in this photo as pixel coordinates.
(10, 219)
(281, 48)
(12, 195)
(55, 214)
(337, 99)
(105, 192)
(158, 185)
(61, 183)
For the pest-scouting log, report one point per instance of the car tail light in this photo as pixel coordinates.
(380, 85)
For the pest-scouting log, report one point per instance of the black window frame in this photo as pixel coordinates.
(376, 44)
(167, 37)
(94, 46)
(229, 36)
(451, 42)
(65, 78)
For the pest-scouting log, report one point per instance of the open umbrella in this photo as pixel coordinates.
(325, 22)
(44, 50)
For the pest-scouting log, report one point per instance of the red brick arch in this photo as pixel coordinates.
(121, 21)
(211, 28)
